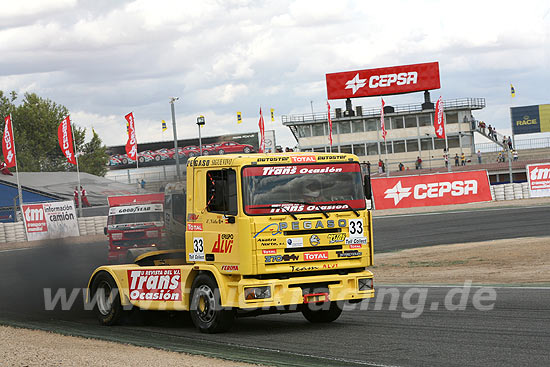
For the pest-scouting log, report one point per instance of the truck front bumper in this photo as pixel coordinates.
(299, 290)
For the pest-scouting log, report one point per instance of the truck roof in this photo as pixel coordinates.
(156, 198)
(269, 158)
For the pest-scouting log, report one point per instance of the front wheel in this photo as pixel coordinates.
(246, 150)
(320, 313)
(107, 297)
(221, 151)
(206, 311)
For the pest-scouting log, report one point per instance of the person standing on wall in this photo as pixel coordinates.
(463, 159)
(456, 159)
(479, 156)
(76, 196)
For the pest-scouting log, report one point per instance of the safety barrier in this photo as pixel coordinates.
(88, 226)
(513, 191)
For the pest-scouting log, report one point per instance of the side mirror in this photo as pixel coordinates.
(367, 190)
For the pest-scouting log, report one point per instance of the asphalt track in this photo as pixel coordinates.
(378, 333)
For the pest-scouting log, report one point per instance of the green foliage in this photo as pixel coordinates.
(35, 123)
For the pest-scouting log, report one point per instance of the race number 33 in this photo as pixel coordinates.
(356, 228)
(198, 245)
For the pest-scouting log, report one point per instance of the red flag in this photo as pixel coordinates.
(8, 147)
(329, 125)
(382, 124)
(439, 122)
(131, 144)
(262, 132)
(65, 137)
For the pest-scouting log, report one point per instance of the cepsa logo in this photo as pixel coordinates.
(430, 190)
(383, 81)
(155, 285)
(35, 219)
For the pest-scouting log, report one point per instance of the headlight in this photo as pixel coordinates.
(257, 293)
(365, 284)
(117, 236)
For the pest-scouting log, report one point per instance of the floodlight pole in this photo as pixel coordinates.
(176, 153)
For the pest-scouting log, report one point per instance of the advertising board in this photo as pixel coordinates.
(531, 119)
(55, 219)
(538, 176)
(431, 190)
(383, 81)
(163, 153)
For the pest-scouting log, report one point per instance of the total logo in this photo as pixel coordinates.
(431, 190)
(381, 81)
(313, 256)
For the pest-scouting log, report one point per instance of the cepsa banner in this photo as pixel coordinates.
(538, 176)
(431, 190)
(383, 81)
(50, 220)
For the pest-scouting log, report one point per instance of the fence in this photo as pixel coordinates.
(524, 144)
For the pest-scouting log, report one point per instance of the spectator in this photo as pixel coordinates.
(380, 166)
(401, 166)
(383, 167)
(515, 154)
(446, 158)
(456, 159)
(463, 159)
(418, 163)
(76, 196)
(495, 136)
(499, 157)
(482, 126)
(490, 131)
(479, 156)
(510, 142)
(504, 141)
(368, 167)
(85, 202)
(142, 183)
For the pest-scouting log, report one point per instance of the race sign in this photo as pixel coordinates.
(538, 176)
(431, 190)
(50, 220)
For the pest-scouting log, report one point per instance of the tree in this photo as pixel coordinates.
(35, 123)
(94, 157)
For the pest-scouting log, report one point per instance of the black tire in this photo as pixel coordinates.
(206, 311)
(158, 158)
(107, 299)
(141, 159)
(246, 150)
(221, 151)
(322, 314)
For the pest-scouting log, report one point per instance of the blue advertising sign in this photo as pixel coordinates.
(525, 120)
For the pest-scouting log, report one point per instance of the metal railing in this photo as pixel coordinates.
(524, 144)
(461, 103)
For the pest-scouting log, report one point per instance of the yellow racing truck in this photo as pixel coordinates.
(264, 233)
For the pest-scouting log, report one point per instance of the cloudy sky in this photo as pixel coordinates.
(105, 58)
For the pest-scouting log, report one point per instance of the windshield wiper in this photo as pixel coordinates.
(306, 203)
(349, 206)
(279, 206)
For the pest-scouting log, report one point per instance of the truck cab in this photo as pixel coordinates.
(134, 222)
(264, 233)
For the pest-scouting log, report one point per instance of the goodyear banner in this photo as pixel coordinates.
(55, 219)
(531, 119)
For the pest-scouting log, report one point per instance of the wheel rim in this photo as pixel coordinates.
(247, 150)
(205, 303)
(221, 151)
(104, 299)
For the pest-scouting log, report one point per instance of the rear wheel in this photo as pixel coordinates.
(206, 310)
(205, 152)
(141, 160)
(221, 151)
(124, 160)
(107, 297)
(158, 158)
(320, 313)
(246, 150)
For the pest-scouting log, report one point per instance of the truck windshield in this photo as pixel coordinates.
(302, 188)
(136, 218)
